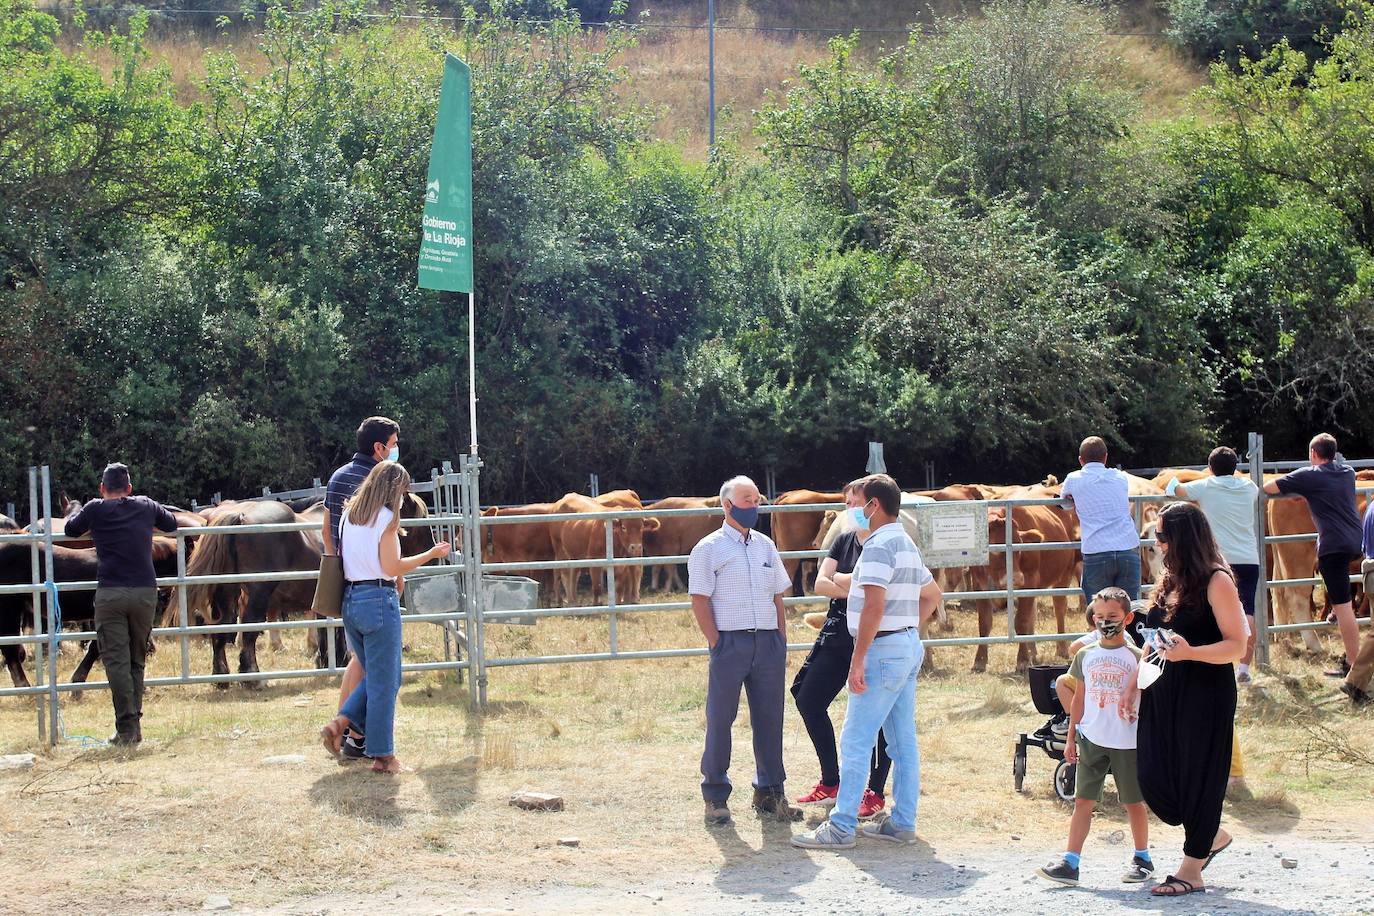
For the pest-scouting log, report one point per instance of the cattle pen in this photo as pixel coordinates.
(457, 516)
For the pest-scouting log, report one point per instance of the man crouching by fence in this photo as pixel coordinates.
(121, 525)
(890, 596)
(736, 579)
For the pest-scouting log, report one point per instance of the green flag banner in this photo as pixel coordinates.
(446, 245)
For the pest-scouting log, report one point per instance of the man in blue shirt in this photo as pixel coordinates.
(378, 440)
(1329, 488)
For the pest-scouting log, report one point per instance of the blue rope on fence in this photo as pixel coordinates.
(59, 726)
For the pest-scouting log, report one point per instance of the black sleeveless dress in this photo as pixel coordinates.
(1183, 740)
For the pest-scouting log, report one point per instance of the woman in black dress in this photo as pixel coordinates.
(1183, 744)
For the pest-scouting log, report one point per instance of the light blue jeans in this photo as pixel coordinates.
(889, 703)
(372, 620)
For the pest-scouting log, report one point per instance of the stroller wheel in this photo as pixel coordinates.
(1018, 767)
(1064, 776)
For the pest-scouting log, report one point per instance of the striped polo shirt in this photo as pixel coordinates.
(741, 575)
(890, 559)
(342, 485)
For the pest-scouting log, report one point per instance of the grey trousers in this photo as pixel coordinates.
(123, 621)
(758, 663)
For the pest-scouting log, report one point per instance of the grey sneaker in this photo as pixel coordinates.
(1060, 872)
(826, 836)
(1141, 870)
(884, 829)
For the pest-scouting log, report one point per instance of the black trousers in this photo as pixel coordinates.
(819, 680)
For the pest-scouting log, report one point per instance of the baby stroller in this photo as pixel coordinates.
(1051, 736)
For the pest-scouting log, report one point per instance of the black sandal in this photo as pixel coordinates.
(1215, 852)
(1177, 888)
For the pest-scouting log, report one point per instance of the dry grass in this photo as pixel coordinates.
(196, 811)
(667, 70)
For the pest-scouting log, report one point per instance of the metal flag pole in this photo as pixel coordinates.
(472, 374)
(711, 72)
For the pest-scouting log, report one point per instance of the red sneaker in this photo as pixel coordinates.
(822, 793)
(872, 803)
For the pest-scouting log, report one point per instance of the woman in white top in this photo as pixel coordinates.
(372, 563)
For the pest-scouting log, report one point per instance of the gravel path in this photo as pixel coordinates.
(1334, 875)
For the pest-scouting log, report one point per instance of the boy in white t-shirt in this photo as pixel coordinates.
(1101, 738)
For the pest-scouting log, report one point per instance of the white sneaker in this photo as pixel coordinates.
(825, 836)
(883, 829)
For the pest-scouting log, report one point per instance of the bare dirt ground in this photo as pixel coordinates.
(198, 813)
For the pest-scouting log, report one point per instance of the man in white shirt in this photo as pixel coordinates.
(1229, 502)
(1111, 542)
(890, 594)
(736, 578)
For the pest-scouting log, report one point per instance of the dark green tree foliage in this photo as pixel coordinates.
(1280, 226)
(1231, 30)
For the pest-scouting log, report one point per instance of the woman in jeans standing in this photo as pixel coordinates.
(370, 546)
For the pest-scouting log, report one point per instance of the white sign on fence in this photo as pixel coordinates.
(953, 533)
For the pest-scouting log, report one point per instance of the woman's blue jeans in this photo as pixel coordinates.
(372, 620)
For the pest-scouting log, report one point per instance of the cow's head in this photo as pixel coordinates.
(629, 535)
(1152, 561)
(488, 541)
(421, 537)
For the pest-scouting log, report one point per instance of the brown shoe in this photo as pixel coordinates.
(775, 805)
(717, 813)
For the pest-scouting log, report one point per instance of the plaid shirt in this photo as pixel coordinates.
(741, 575)
(1101, 497)
(342, 485)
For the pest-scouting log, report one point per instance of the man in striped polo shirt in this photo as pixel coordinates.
(736, 579)
(378, 439)
(890, 595)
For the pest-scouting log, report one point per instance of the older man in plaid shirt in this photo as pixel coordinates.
(736, 578)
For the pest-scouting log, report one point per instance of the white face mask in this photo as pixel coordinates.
(1148, 673)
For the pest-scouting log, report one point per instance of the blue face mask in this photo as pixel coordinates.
(394, 454)
(745, 518)
(856, 515)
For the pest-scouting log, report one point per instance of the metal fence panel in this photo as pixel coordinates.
(458, 518)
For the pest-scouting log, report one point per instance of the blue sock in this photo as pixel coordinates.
(1073, 858)
(1144, 854)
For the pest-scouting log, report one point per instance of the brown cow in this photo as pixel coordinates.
(676, 535)
(797, 530)
(628, 578)
(1032, 569)
(585, 539)
(526, 542)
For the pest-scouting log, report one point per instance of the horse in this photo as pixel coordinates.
(286, 551)
(78, 607)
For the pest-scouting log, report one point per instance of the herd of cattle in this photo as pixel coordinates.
(535, 540)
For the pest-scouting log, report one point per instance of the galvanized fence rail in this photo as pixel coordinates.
(49, 633)
(458, 518)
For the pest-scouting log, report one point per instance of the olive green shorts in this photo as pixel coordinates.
(1094, 763)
